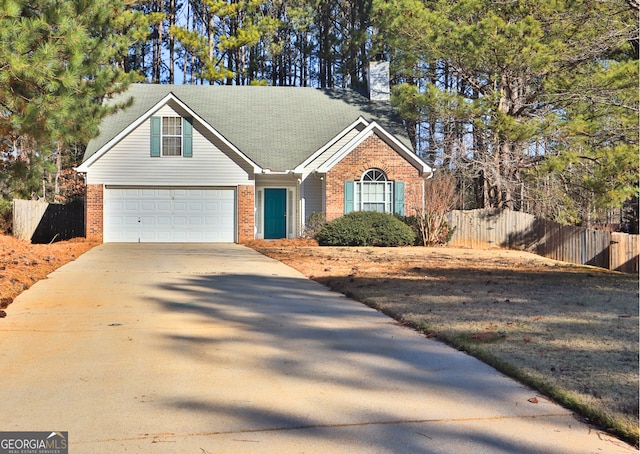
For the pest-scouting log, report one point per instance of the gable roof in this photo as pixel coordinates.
(392, 141)
(275, 127)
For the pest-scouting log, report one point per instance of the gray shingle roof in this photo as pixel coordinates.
(276, 127)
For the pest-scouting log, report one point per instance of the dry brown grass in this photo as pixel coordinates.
(570, 331)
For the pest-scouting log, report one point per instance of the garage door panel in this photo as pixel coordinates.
(148, 237)
(180, 206)
(149, 206)
(169, 215)
(128, 237)
(164, 236)
(124, 220)
(212, 221)
(132, 206)
(164, 220)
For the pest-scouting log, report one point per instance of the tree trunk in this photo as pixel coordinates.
(56, 190)
(172, 22)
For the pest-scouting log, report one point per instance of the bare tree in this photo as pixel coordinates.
(440, 198)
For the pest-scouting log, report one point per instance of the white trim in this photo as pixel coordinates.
(179, 120)
(84, 167)
(388, 195)
(390, 139)
(292, 200)
(340, 135)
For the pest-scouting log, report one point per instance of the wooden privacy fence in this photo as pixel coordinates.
(42, 222)
(514, 230)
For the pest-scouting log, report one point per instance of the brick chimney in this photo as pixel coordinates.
(378, 80)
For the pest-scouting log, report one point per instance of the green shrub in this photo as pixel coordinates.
(365, 228)
(412, 222)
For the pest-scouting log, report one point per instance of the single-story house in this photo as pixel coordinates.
(236, 163)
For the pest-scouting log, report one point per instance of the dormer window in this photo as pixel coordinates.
(171, 136)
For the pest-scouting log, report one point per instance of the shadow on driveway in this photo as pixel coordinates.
(293, 357)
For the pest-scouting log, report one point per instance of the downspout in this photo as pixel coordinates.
(424, 181)
(301, 214)
(298, 204)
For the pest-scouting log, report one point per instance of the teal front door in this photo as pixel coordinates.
(275, 213)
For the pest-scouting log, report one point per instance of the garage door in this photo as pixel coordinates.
(169, 215)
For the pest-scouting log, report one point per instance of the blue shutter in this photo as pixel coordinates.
(348, 196)
(187, 137)
(398, 206)
(155, 137)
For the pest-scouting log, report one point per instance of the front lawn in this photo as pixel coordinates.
(570, 331)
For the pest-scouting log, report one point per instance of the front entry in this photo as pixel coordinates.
(275, 213)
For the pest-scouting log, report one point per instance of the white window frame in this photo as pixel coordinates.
(165, 135)
(382, 194)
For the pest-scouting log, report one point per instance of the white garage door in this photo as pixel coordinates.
(169, 215)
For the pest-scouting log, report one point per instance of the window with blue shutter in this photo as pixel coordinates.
(374, 192)
(171, 136)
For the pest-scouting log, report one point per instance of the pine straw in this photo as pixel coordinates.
(22, 264)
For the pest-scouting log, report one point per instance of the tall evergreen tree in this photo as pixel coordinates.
(58, 60)
(229, 28)
(491, 75)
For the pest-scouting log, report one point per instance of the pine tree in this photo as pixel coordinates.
(500, 79)
(229, 28)
(59, 60)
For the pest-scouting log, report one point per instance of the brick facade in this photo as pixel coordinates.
(246, 213)
(94, 212)
(373, 152)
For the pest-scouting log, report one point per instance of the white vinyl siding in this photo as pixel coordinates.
(129, 163)
(312, 194)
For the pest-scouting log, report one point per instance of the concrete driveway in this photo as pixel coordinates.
(149, 348)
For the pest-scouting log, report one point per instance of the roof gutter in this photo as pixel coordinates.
(277, 172)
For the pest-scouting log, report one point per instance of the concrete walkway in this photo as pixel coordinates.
(149, 348)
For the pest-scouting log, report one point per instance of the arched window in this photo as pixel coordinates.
(374, 192)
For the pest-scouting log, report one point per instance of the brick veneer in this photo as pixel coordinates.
(246, 213)
(94, 215)
(373, 152)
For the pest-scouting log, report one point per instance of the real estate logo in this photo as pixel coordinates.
(34, 443)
